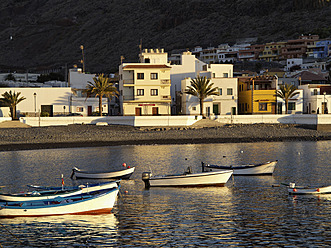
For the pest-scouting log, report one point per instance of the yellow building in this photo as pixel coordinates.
(257, 95)
(272, 51)
(145, 87)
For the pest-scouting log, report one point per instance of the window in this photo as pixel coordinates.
(140, 92)
(291, 106)
(229, 92)
(315, 92)
(219, 91)
(225, 75)
(263, 106)
(154, 92)
(153, 75)
(140, 75)
(79, 109)
(194, 108)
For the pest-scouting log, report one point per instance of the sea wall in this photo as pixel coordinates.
(145, 121)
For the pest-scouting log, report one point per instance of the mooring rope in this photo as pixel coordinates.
(10, 234)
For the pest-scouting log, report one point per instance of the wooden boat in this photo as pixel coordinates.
(51, 194)
(188, 179)
(57, 188)
(120, 174)
(246, 169)
(87, 204)
(305, 190)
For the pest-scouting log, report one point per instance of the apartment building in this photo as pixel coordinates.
(319, 49)
(145, 86)
(225, 103)
(257, 95)
(272, 51)
(298, 48)
(317, 98)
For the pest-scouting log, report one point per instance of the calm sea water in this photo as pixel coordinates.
(247, 212)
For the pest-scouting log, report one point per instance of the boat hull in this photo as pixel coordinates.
(102, 203)
(204, 179)
(309, 191)
(84, 189)
(253, 170)
(122, 174)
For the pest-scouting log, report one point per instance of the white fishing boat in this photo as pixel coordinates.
(118, 174)
(246, 169)
(305, 190)
(188, 179)
(54, 192)
(87, 204)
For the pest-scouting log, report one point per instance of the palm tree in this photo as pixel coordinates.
(102, 86)
(11, 100)
(286, 92)
(201, 88)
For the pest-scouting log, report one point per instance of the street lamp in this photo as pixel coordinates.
(83, 60)
(324, 103)
(35, 104)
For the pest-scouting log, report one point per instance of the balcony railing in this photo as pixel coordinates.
(165, 81)
(128, 98)
(128, 81)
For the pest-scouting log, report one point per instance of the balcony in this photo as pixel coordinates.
(128, 98)
(128, 81)
(165, 81)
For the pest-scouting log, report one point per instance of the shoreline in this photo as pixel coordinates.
(74, 136)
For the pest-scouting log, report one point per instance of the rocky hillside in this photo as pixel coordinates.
(48, 33)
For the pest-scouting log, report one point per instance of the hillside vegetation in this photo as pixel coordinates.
(48, 33)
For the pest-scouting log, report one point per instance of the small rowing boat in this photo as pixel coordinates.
(246, 169)
(305, 190)
(87, 204)
(54, 192)
(118, 174)
(188, 179)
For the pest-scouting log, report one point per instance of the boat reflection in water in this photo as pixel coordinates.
(60, 231)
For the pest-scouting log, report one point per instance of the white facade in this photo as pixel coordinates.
(295, 104)
(55, 101)
(21, 77)
(189, 67)
(293, 62)
(316, 100)
(145, 87)
(78, 79)
(225, 103)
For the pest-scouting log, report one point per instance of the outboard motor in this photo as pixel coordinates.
(145, 177)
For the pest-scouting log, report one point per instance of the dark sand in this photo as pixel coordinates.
(114, 135)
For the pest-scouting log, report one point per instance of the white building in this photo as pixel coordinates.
(317, 98)
(189, 66)
(225, 103)
(78, 79)
(145, 86)
(54, 101)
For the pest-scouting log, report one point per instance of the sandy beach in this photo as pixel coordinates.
(23, 138)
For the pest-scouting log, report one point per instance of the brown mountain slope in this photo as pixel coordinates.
(49, 32)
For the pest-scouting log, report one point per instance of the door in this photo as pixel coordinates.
(47, 110)
(233, 110)
(279, 108)
(138, 111)
(216, 109)
(155, 111)
(89, 110)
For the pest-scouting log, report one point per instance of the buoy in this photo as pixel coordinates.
(126, 191)
(129, 167)
(318, 190)
(124, 164)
